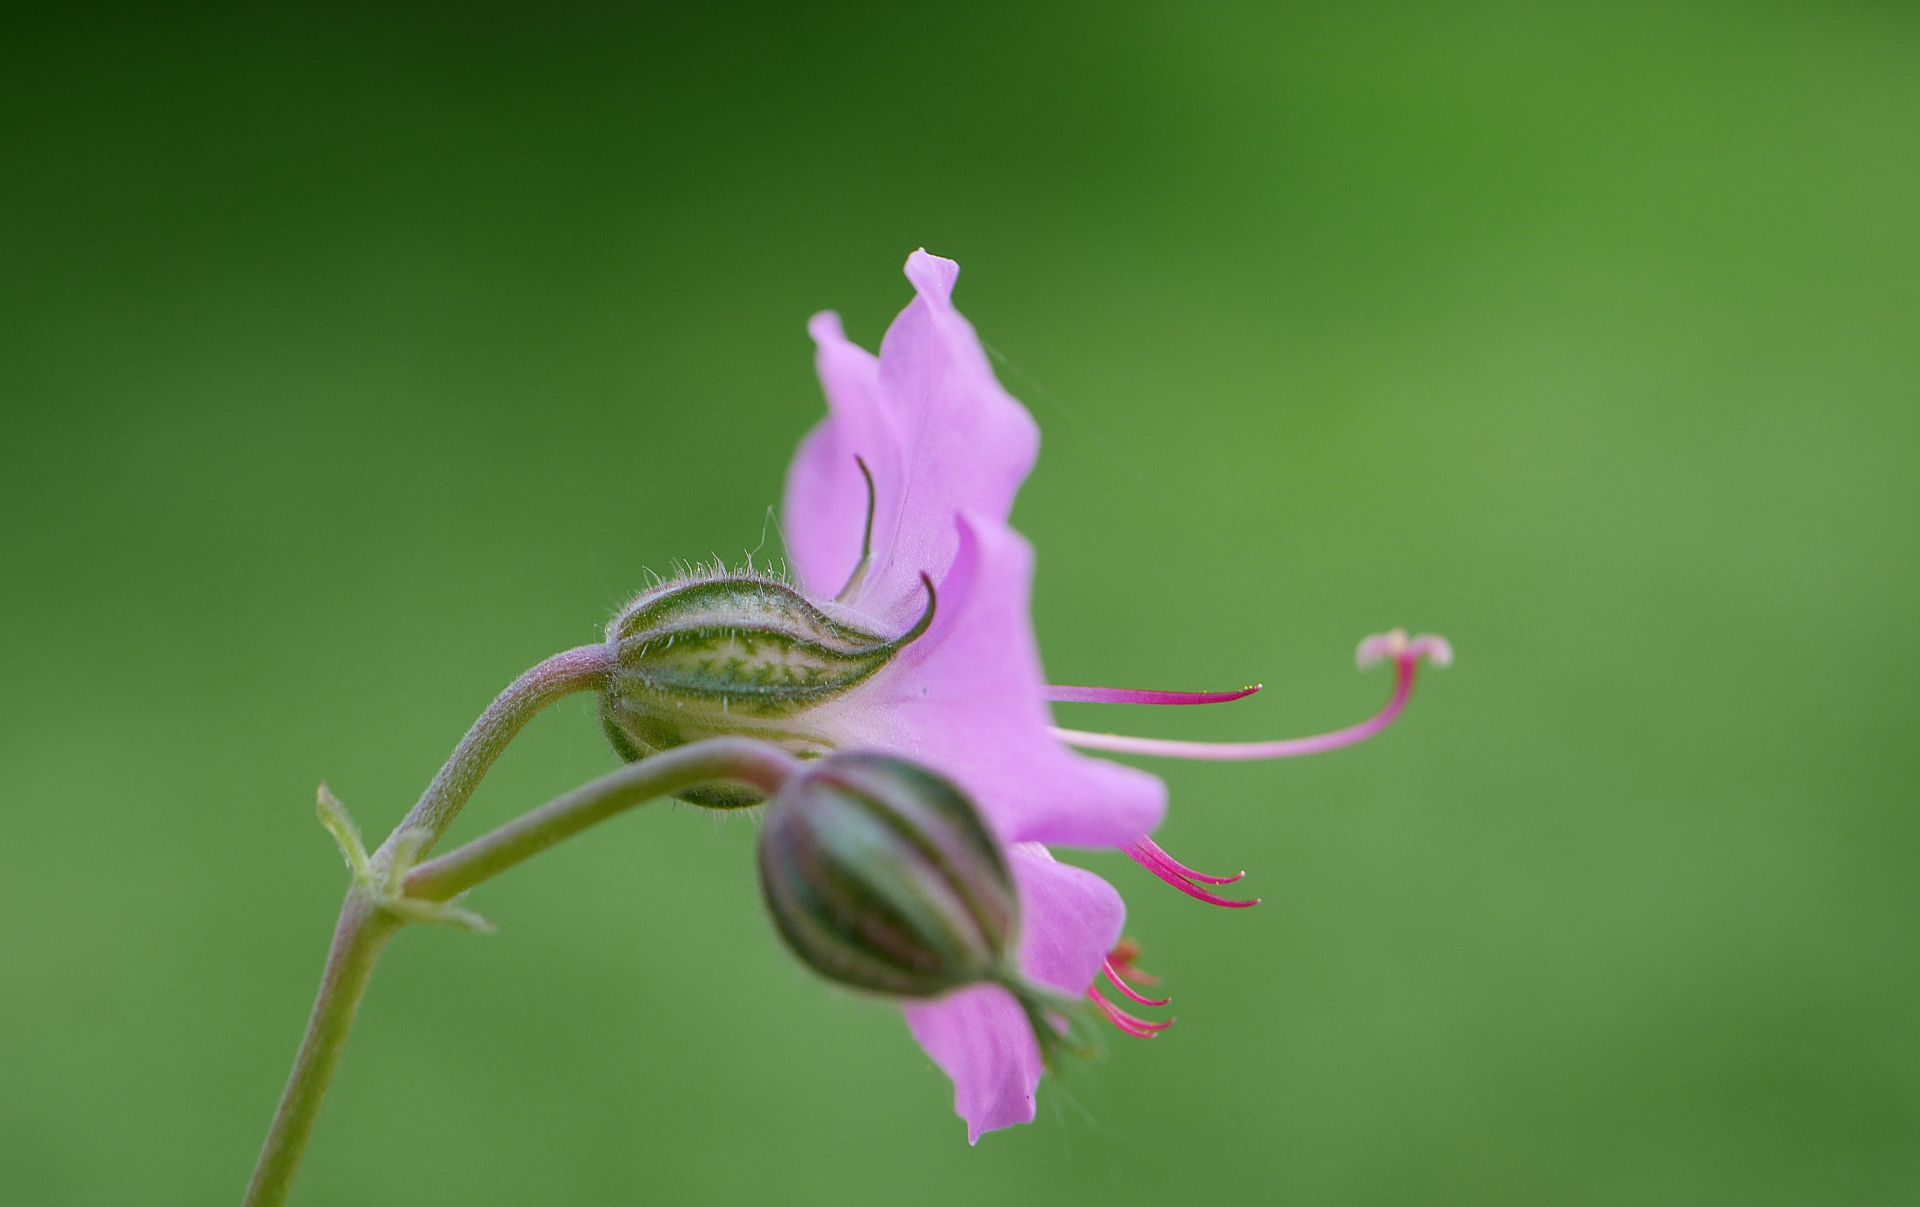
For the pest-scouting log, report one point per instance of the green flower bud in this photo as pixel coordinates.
(734, 655)
(884, 877)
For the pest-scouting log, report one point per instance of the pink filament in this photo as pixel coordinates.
(1139, 1028)
(1183, 869)
(1131, 695)
(1149, 856)
(1131, 994)
(1404, 668)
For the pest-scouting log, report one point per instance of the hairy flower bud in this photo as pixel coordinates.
(736, 654)
(883, 876)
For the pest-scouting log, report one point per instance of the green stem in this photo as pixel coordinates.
(365, 925)
(561, 675)
(761, 767)
(362, 932)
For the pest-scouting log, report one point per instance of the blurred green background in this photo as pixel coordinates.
(352, 362)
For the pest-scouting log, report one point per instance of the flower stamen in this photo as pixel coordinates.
(1146, 853)
(1127, 991)
(1125, 956)
(1126, 1023)
(1169, 861)
(1406, 653)
(1135, 695)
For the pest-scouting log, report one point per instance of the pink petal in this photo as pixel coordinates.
(966, 699)
(935, 428)
(826, 501)
(1071, 918)
(980, 1040)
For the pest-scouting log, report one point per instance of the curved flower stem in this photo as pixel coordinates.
(762, 767)
(365, 925)
(561, 675)
(384, 897)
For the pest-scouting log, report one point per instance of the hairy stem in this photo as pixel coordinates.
(733, 759)
(561, 675)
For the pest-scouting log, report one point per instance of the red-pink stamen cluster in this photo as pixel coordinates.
(1149, 855)
(1117, 967)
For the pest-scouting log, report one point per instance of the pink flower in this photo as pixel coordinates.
(907, 485)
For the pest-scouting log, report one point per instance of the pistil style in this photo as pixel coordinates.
(1406, 654)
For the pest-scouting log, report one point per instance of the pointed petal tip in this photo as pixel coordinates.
(932, 276)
